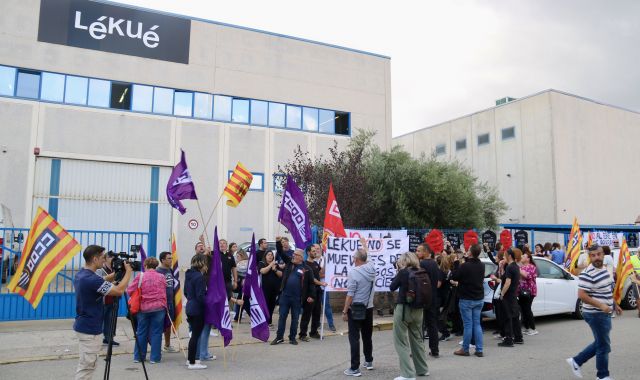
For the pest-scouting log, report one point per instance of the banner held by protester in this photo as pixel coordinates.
(258, 310)
(293, 214)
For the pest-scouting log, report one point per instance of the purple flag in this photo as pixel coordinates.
(180, 185)
(293, 214)
(143, 257)
(258, 306)
(216, 310)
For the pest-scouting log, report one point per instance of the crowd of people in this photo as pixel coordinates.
(449, 302)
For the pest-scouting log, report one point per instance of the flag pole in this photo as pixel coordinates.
(175, 331)
(233, 354)
(204, 229)
(212, 212)
(324, 305)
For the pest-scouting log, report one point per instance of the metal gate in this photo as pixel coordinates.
(59, 301)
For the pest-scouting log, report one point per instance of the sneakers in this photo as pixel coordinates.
(277, 341)
(407, 378)
(210, 357)
(304, 338)
(352, 372)
(445, 338)
(533, 332)
(434, 354)
(518, 341)
(605, 378)
(333, 328)
(294, 342)
(170, 349)
(315, 336)
(152, 362)
(506, 343)
(368, 365)
(213, 333)
(575, 368)
(525, 332)
(479, 354)
(104, 341)
(471, 345)
(196, 366)
(197, 362)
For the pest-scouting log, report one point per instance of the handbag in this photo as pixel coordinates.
(359, 309)
(136, 298)
(525, 293)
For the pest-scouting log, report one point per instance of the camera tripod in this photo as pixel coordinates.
(113, 320)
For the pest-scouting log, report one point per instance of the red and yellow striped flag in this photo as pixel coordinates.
(47, 250)
(177, 293)
(573, 247)
(238, 185)
(624, 270)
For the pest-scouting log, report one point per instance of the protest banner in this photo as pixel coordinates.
(376, 234)
(382, 252)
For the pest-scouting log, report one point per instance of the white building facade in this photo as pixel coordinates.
(97, 100)
(551, 155)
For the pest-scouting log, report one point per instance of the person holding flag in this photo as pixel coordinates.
(164, 268)
(595, 290)
(258, 309)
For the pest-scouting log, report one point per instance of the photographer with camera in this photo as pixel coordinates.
(90, 291)
(108, 274)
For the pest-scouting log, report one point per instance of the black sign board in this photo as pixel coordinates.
(632, 240)
(115, 29)
(454, 239)
(415, 238)
(521, 238)
(489, 237)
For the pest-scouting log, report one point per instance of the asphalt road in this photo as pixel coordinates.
(541, 357)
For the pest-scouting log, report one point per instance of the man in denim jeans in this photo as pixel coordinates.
(595, 289)
(470, 280)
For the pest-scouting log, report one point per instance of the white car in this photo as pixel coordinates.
(557, 290)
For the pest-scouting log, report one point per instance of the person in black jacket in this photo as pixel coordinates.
(430, 319)
(470, 281)
(194, 291)
(297, 287)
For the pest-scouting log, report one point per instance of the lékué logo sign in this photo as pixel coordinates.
(116, 29)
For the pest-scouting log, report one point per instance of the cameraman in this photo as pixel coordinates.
(90, 290)
(107, 274)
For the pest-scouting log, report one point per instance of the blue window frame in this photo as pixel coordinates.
(259, 112)
(52, 87)
(310, 119)
(7, 80)
(222, 108)
(327, 121)
(183, 101)
(99, 93)
(257, 184)
(163, 100)
(276, 114)
(294, 117)
(203, 106)
(240, 111)
(142, 98)
(28, 84)
(75, 90)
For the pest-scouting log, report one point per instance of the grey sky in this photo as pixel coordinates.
(454, 57)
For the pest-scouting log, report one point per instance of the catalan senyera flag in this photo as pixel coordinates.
(175, 269)
(623, 271)
(589, 239)
(47, 250)
(238, 185)
(333, 225)
(573, 247)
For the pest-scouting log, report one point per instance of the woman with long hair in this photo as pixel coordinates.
(271, 279)
(528, 291)
(195, 291)
(242, 265)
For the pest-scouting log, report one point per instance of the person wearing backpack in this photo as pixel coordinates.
(414, 294)
(470, 281)
(358, 310)
(430, 316)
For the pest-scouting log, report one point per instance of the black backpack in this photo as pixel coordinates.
(419, 291)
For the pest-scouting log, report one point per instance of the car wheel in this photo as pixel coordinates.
(629, 302)
(577, 314)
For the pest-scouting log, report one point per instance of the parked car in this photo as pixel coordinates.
(557, 290)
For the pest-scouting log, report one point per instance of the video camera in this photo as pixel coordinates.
(120, 257)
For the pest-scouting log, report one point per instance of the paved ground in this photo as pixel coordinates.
(541, 357)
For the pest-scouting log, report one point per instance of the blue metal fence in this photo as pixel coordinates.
(59, 300)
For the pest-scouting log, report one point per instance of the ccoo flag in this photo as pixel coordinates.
(177, 293)
(573, 247)
(623, 271)
(257, 305)
(293, 214)
(47, 250)
(238, 185)
(216, 309)
(180, 185)
(333, 225)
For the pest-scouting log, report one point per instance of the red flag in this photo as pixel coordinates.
(505, 239)
(435, 241)
(332, 220)
(470, 238)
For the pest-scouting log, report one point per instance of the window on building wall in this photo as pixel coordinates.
(163, 100)
(310, 119)
(99, 93)
(7, 80)
(182, 103)
(461, 144)
(259, 112)
(441, 149)
(120, 96)
(257, 184)
(294, 117)
(327, 121)
(28, 84)
(142, 98)
(342, 124)
(276, 114)
(221, 108)
(203, 106)
(508, 133)
(75, 90)
(483, 139)
(52, 87)
(240, 111)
